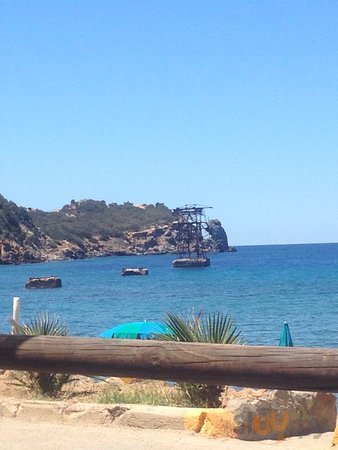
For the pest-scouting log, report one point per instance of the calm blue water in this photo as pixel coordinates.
(260, 286)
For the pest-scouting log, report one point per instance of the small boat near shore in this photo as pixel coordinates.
(134, 271)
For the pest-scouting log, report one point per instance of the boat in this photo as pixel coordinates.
(190, 225)
(191, 262)
(134, 271)
(43, 282)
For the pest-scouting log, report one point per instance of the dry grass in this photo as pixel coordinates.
(99, 390)
(143, 392)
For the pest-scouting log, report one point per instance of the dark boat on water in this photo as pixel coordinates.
(190, 225)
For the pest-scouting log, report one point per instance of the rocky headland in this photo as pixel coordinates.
(89, 228)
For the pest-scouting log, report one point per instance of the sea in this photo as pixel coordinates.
(260, 287)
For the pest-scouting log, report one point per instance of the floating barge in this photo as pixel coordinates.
(134, 271)
(191, 262)
(43, 282)
(190, 225)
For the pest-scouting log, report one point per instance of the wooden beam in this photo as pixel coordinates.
(263, 367)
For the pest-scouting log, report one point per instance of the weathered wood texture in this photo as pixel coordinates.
(267, 367)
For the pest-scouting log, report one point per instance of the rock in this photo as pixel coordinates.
(210, 421)
(36, 411)
(44, 282)
(335, 437)
(230, 393)
(151, 243)
(77, 253)
(8, 408)
(25, 242)
(92, 414)
(153, 417)
(218, 234)
(278, 414)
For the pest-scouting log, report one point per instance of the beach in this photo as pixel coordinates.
(75, 421)
(16, 435)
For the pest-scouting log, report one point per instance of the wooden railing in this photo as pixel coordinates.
(310, 369)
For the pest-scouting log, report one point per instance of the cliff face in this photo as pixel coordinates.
(218, 235)
(20, 239)
(88, 229)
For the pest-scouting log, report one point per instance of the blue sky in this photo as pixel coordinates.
(232, 104)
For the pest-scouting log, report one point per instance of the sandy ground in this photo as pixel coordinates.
(18, 435)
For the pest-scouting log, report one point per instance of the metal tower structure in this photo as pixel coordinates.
(191, 225)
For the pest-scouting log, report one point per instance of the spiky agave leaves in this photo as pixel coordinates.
(40, 383)
(215, 328)
(181, 330)
(218, 328)
(41, 324)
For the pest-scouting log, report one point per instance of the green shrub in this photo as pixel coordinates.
(90, 218)
(38, 383)
(215, 328)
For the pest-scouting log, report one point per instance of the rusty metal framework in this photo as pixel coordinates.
(191, 225)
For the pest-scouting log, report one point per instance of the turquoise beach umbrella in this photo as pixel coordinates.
(285, 337)
(136, 330)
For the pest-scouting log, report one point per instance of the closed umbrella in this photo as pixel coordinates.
(285, 339)
(136, 330)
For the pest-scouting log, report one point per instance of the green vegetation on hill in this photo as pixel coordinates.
(89, 228)
(90, 218)
(12, 217)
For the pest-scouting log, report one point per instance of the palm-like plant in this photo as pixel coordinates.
(46, 384)
(41, 324)
(215, 328)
